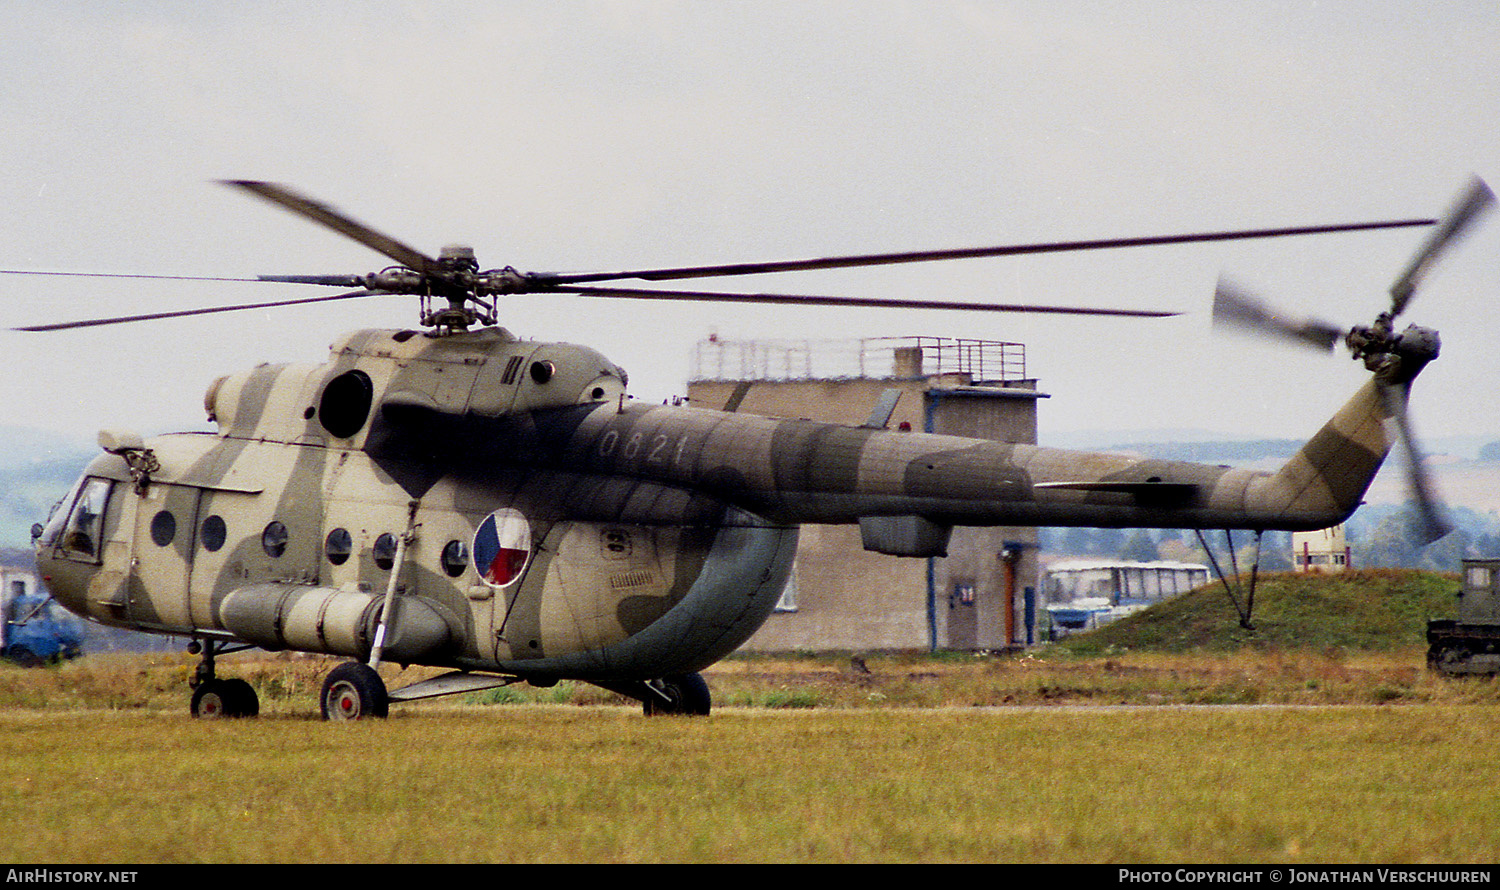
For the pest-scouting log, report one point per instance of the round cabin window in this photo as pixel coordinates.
(338, 546)
(163, 528)
(273, 539)
(214, 533)
(455, 558)
(384, 551)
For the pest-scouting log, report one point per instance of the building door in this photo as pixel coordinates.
(962, 625)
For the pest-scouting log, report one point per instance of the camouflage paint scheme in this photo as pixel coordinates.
(660, 537)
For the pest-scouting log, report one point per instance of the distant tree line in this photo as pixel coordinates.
(28, 493)
(1177, 545)
(1384, 537)
(1379, 536)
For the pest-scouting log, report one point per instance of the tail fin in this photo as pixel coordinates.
(1327, 479)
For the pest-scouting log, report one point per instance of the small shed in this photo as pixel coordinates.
(1325, 550)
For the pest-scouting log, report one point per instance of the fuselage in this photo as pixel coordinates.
(526, 518)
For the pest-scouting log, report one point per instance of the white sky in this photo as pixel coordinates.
(578, 136)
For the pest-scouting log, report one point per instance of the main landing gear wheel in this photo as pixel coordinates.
(682, 694)
(353, 691)
(225, 698)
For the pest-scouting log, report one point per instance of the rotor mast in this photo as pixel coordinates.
(454, 280)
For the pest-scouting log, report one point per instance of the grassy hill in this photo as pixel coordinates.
(1366, 611)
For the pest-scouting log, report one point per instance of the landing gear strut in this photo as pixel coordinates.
(354, 690)
(216, 698)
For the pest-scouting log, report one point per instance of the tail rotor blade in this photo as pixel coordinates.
(1432, 517)
(1235, 308)
(1471, 203)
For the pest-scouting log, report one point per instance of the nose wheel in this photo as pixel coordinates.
(225, 698)
(214, 698)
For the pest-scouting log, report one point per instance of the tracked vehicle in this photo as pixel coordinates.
(1470, 644)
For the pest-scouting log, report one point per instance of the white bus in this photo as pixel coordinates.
(1085, 594)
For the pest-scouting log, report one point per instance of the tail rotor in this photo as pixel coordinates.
(1395, 358)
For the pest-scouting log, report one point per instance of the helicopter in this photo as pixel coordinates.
(457, 497)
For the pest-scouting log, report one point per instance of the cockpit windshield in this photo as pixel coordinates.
(77, 533)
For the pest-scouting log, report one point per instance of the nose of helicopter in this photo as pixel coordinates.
(67, 581)
(68, 546)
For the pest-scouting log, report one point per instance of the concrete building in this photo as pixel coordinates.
(981, 595)
(1325, 550)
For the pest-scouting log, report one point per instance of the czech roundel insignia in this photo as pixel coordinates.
(502, 547)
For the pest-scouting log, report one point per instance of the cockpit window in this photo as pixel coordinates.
(83, 531)
(55, 519)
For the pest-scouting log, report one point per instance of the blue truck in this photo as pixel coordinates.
(37, 630)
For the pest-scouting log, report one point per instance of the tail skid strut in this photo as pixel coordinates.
(1245, 611)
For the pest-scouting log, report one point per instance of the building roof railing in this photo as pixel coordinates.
(872, 357)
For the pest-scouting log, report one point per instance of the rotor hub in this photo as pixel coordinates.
(1405, 355)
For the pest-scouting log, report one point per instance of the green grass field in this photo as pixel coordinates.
(1153, 741)
(603, 784)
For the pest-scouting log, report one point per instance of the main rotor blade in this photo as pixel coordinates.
(1235, 308)
(128, 275)
(126, 319)
(319, 212)
(332, 280)
(329, 280)
(813, 300)
(923, 256)
(1470, 204)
